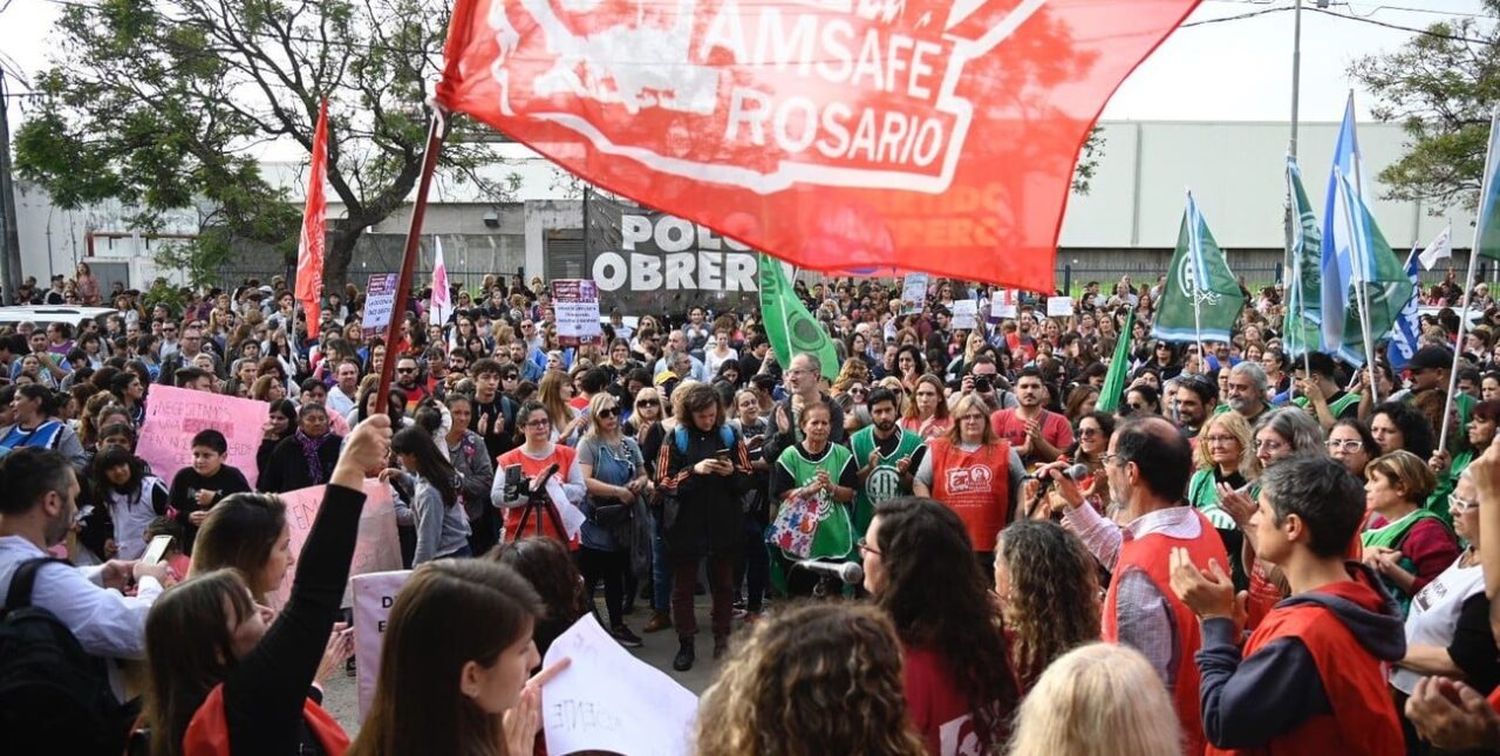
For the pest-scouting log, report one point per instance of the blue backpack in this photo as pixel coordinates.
(680, 438)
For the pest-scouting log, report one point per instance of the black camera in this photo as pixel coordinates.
(982, 384)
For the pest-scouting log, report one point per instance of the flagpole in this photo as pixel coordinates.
(1463, 315)
(437, 128)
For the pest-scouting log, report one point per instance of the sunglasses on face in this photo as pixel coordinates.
(648, 403)
(608, 412)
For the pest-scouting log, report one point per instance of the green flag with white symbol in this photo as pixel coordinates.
(1189, 311)
(790, 328)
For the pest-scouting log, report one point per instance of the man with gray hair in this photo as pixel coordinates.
(1246, 391)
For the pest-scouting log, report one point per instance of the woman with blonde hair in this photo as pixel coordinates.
(1101, 699)
(567, 423)
(984, 502)
(1225, 456)
(927, 411)
(775, 695)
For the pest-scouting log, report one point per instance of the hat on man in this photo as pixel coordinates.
(1431, 357)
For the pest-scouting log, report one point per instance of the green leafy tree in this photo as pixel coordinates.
(1440, 87)
(161, 104)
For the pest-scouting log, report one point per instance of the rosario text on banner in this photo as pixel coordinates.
(833, 134)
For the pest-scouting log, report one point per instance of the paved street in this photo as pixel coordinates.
(341, 698)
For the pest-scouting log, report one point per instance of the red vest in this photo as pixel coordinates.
(530, 468)
(1266, 594)
(208, 731)
(1364, 717)
(1149, 554)
(975, 485)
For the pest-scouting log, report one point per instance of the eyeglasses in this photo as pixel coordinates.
(538, 423)
(1462, 505)
(1347, 445)
(860, 390)
(975, 418)
(648, 403)
(406, 370)
(1090, 432)
(865, 547)
(1217, 439)
(1110, 457)
(1135, 406)
(608, 412)
(509, 377)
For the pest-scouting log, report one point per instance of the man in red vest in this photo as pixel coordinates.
(1148, 465)
(1311, 678)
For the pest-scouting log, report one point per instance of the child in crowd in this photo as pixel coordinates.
(133, 497)
(196, 489)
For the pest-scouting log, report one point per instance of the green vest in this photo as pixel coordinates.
(1335, 407)
(1204, 496)
(884, 482)
(1437, 503)
(1390, 536)
(834, 536)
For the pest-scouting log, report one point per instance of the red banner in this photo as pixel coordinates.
(834, 134)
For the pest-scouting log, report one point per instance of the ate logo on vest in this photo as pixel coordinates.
(973, 479)
(883, 484)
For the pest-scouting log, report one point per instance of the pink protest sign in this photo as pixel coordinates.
(377, 548)
(175, 415)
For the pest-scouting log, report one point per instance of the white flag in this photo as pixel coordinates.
(442, 298)
(1440, 248)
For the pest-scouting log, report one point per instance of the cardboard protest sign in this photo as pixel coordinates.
(608, 700)
(374, 595)
(575, 307)
(965, 314)
(1003, 304)
(914, 292)
(1059, 307)
(377, 547)
(380, 300)
(174, 415)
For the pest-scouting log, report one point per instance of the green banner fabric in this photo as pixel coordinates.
(1189, 310)
(1119, 365)
(1304, 304)
(1487, 233)
(789, 326)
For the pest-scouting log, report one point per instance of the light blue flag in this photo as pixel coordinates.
(1337, 268)
(1487, 230)
(1408, 326)
(1378, 282)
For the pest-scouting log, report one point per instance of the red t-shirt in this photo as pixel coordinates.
(939, 712)
(1055, 428)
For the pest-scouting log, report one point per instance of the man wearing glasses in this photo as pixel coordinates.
(1148, 464)
(190, 348)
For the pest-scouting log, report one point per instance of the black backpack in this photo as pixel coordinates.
(54, 697)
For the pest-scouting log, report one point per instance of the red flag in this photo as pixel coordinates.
(834, 134)
(309, 289)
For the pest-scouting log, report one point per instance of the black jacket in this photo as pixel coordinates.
(709, 515)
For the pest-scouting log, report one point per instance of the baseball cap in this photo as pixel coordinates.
(1430, 357)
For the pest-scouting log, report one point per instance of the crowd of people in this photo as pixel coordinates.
(1238, 551)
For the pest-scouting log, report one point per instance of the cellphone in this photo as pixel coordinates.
(722, 454)
(157, 549)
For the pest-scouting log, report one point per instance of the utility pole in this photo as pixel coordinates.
(10, 236)
(1296, 71)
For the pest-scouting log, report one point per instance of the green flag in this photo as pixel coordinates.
(1192, 311)
(789, 326)
(1119, 365)
(1487, 232)
(1304, 303)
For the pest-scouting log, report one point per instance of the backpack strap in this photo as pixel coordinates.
(23, 580)
(680, 439)
(726, 434)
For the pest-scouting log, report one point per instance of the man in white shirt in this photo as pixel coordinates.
(36, 514)
(342, 396)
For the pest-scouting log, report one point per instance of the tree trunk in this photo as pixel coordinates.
(339, 254)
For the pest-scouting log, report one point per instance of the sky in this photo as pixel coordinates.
(1208, 70)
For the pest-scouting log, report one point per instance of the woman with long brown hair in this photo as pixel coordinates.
(223, 676)
(1048, 587)
(554, 393)
(772, 696)
(450, 692)
(926, 410)
(919, 567)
